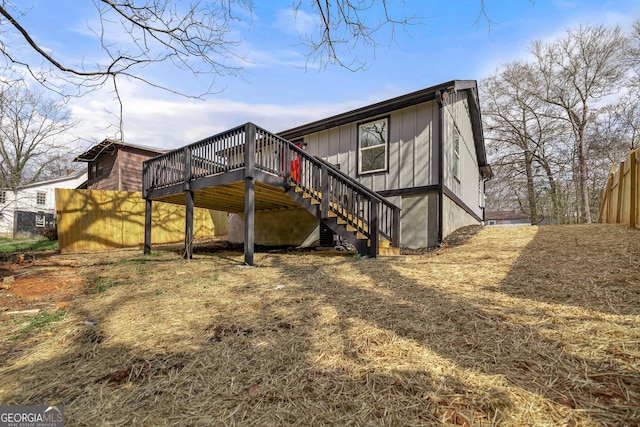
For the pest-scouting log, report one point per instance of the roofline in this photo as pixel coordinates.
(408, 100)
(92, 153)
(413, 98)
(73, 175)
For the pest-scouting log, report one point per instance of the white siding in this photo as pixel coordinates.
(25, 199)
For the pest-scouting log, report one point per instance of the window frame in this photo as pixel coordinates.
(3, 197)
(41, 220)
(96, 170)
(456, 154)
(41, 198)
(385, 168)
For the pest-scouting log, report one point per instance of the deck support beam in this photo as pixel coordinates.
(147, 226)
(249, 220)
(249, 192)
(188, 229)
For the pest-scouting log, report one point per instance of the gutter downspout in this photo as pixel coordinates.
(440, 165)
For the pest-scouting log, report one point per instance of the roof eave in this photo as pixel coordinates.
(380, 108)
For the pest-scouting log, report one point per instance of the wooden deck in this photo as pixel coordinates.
(247, 170)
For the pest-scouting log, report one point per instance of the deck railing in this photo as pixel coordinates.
(338, 194)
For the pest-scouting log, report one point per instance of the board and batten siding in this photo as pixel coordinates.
(467, 185)
(410, 148)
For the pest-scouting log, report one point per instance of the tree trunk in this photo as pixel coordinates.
(531, 193)
(583, 181)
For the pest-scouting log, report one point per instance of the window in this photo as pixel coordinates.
(456, 154)
(3, 197)
(41, 198)
(372, 149)
(95, 171)
(41, 220)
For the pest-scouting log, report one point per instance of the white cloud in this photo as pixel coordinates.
(295, 21)
(154, 122)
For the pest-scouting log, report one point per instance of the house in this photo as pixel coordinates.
(115, 165)
(403, 172)
(31, 210)
(507, 217)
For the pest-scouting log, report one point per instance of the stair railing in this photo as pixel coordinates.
(364, 210)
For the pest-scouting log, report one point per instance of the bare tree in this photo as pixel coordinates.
(196, 37)
(579, 71)
(32, 128)
(522, 132)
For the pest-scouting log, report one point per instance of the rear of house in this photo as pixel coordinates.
(423, 151)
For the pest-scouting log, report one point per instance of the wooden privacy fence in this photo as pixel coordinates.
(90, 220)
(620, 199)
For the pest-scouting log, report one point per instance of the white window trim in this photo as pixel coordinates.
(386, 147)
(44, 198)
(41, 220)
(456, 154)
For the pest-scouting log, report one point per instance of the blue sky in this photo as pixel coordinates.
(277, 92)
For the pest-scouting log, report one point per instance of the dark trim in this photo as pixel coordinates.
(148, 210)
(386, 151)
(409, 191)
(249, 220)
(188, 229)
(110, 146)
(378, 109)
(440, 167)
(447, 192)
(220, 179)
(476, 126)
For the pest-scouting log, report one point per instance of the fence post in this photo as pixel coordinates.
(633, 200)
(620, 194)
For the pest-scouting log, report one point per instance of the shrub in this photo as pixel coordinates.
(50, 233)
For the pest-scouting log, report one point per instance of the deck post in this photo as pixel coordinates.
(324, 191)
(395, 237)
(373, 229)
(249, 192)
(147, 226)
(188, 232)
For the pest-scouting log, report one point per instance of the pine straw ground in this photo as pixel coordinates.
(516, 326)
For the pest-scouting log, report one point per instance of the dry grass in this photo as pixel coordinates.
(515, 327)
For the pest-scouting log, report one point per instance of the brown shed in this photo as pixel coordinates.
(115, 165)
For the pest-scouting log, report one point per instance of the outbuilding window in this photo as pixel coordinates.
(96, 170)
(373, 146)
(3, 197)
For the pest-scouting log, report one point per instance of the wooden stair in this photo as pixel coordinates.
(351, 228)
